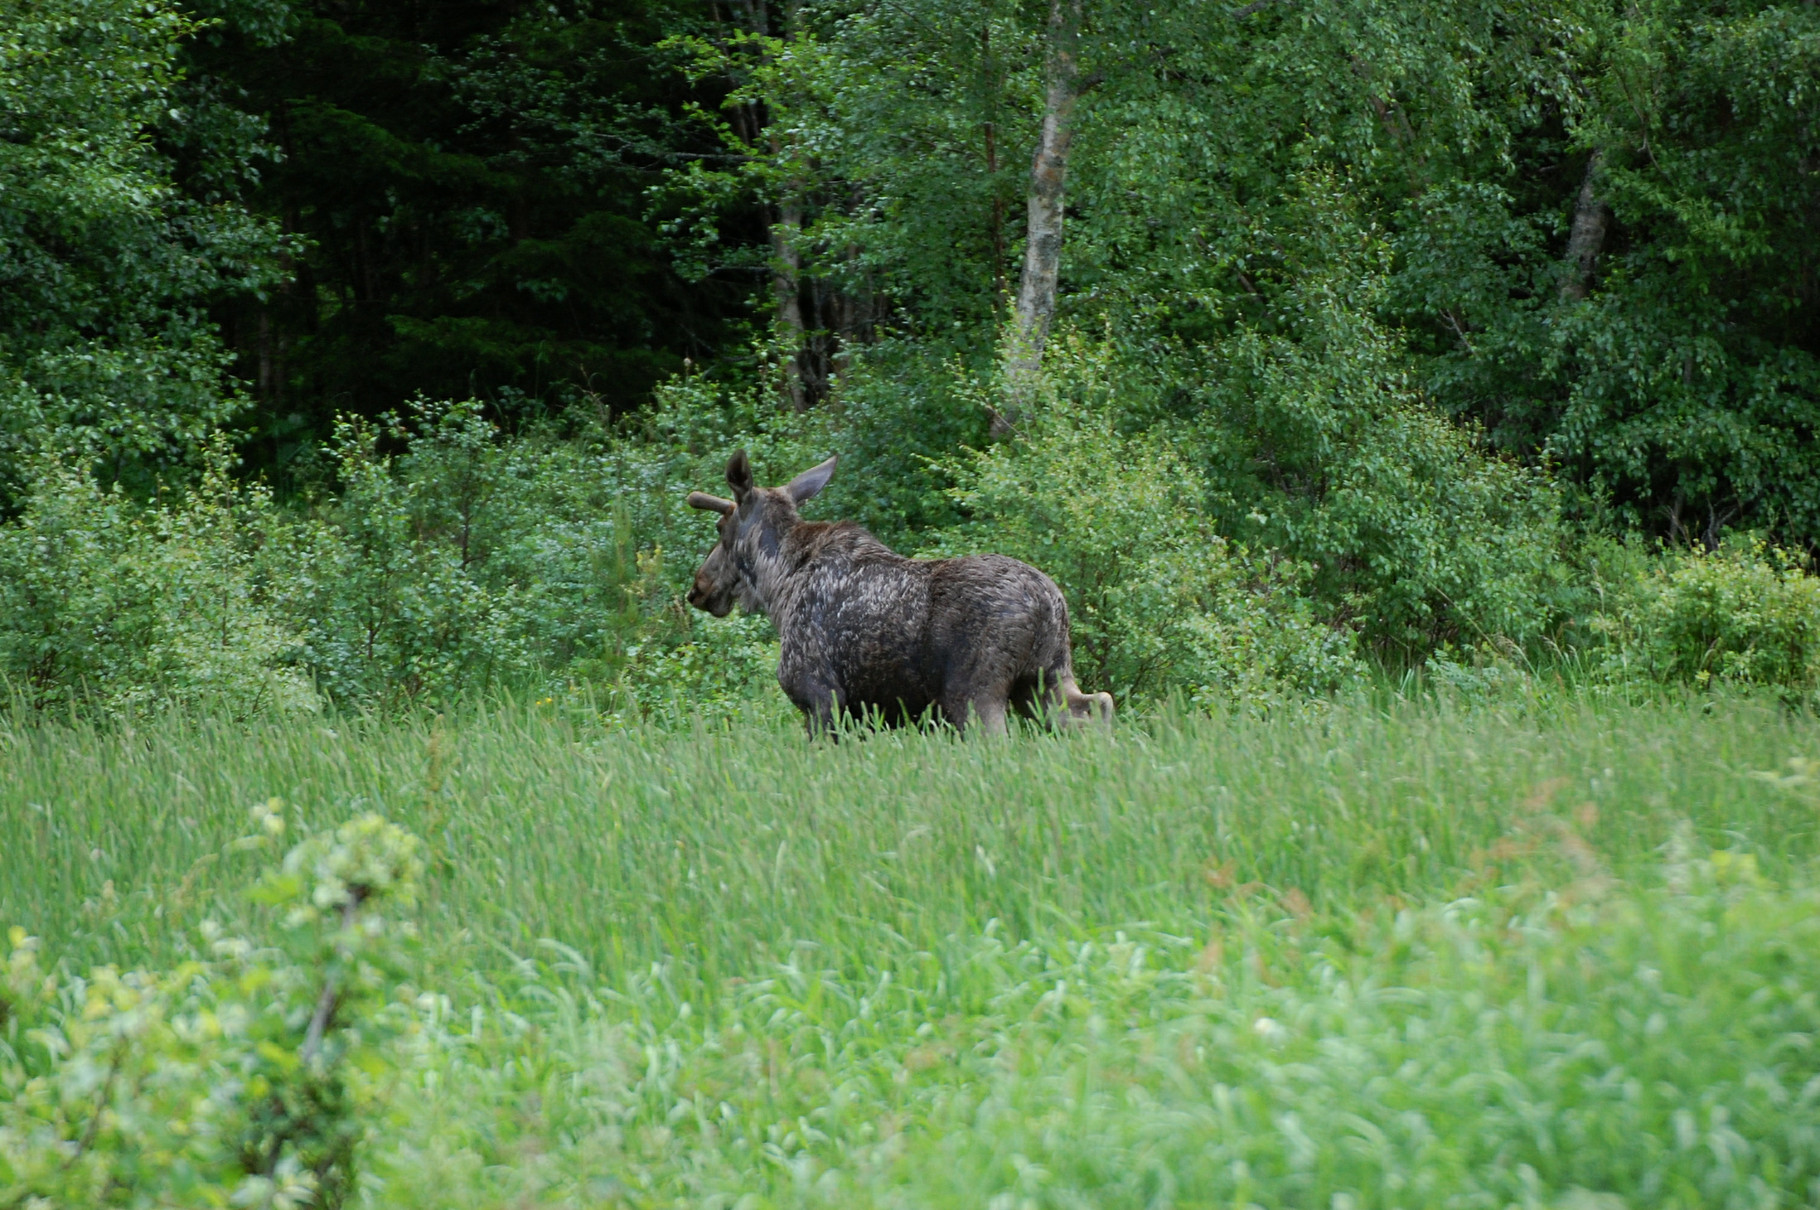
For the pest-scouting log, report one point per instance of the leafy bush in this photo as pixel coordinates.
(222, 1081)
(1317, 444)
(1159, 602)
(459, 564)
(706, 669)
(1293, 428)
(127, 608)
(464, 563)
(384, 582)
(903, 411)
(1746, 614)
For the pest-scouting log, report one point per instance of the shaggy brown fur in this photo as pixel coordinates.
(866, 630)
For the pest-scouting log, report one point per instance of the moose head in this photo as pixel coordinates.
(743, 565)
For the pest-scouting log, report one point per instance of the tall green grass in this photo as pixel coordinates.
(1413, 955)
(713, 850)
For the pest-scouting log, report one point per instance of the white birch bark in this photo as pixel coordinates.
(786, 288)
(1587, 238)
(1035, 305)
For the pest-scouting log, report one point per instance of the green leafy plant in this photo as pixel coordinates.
(453, 563)
(1746, 614)
(223, 1080)
(125, 608)
(1319, 444)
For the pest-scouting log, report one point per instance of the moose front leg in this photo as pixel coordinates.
(816, 697)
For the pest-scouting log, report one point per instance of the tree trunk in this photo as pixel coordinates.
(1043, 238)
(1587, 238)
(786, 286)
(786, 243)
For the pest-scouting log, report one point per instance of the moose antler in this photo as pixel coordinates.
(713, 504)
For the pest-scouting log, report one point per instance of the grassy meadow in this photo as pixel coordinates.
(1556, 953)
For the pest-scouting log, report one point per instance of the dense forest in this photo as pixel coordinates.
(363, 351)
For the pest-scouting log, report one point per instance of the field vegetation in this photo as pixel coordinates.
(1414, 953)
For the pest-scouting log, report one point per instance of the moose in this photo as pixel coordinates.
(869, 632)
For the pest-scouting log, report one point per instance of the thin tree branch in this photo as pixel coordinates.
(330, 999)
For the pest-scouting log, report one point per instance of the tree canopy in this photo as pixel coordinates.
(1585, 227)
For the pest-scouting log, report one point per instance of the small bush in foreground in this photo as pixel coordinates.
(222, 1081)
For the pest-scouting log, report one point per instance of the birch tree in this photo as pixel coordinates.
(1045, 206)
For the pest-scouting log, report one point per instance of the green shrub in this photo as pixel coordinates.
(1308, 438)
(1746, 614)
(223, 1081)
(903, 412)
(459, 564)
(465, 563)
(1159, 602)
(386, 595)
(1317, 443)
(707, 669)
(124, 608)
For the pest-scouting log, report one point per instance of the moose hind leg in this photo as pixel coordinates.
(989, 714)
(1072, 708)
(982, 709)
(1090, 707)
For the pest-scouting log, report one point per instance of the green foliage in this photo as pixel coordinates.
(458, 566)
(1743, 615)
(904, 411)
(1301, 437)
(385, 587)
(703, 671)
(1320, 446)
(224, 1080)
(1679, 391)
(106, 350)
(125, 608)
(1684, 386)
(462, 565)
(1403, 954)
(1158, 601)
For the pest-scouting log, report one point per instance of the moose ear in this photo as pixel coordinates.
(713, 504)
(811, 481)
(739, 475)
